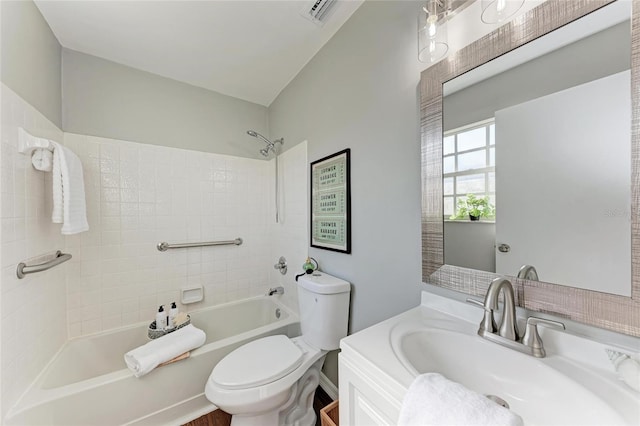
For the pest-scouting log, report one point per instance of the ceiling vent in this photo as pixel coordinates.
(317, 11)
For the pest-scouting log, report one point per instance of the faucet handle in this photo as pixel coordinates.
(532, 338)
(488, 323)
(281, 265)
(477, 303)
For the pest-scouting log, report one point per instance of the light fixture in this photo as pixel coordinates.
(496, 11)
(432, 34)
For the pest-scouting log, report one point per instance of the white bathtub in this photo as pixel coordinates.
(87, 382)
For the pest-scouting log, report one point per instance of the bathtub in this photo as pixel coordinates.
(87, 382)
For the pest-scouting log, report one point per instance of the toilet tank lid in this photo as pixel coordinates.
(322, 283)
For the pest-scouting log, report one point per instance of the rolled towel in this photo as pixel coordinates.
(432, 399)
(147, 357)
(42, 159)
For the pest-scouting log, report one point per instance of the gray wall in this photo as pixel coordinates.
(30, 57)
(470, 245)
(360, 92)
(103, 98)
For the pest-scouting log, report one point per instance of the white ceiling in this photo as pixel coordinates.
(246, 49)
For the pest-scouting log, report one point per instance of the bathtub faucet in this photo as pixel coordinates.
(276, 290)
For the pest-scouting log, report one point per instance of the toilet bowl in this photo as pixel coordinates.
(272, 381)
(265, 380)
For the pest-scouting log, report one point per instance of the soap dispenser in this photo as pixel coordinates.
(161, 319)
(171, 319)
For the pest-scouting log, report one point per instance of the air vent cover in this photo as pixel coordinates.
(317, 11)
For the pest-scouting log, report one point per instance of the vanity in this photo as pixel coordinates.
(575, 384)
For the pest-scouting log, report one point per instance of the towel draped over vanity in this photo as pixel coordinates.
(432, 399)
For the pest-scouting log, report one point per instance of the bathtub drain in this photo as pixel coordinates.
(277, 312)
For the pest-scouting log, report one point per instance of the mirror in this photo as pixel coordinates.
(556, 292)
(542, 133)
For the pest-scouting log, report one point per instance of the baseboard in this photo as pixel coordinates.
(328, 386)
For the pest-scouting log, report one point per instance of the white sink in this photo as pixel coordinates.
(549, 391)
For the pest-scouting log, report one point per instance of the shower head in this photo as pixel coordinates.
(270, 145)
(259, 136)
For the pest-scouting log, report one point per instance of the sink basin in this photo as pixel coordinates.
(536, 389)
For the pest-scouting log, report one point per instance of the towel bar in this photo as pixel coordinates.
(24, 269)
(27, 143)
(164, 246)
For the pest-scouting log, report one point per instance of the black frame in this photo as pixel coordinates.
(341, 191)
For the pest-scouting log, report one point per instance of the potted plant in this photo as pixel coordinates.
(474, 208)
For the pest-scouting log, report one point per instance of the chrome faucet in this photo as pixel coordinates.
(528, 272)
(506, 334)
(275, 290)
(507, 328)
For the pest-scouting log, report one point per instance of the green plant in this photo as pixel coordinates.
(474, 206)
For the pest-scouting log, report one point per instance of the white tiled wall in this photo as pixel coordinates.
(291, 234)
(139, 195)
(33, 310)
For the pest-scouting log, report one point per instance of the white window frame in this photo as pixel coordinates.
(483, 170)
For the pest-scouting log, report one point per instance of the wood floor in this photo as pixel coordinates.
(220, 418)
(214, 418)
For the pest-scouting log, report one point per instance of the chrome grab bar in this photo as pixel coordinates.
(58, 258)
(164, 246)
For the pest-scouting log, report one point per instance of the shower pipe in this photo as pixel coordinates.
(271, 146)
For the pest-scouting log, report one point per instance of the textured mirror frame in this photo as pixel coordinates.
(617, 313)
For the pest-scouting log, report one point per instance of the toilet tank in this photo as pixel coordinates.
(324, 309)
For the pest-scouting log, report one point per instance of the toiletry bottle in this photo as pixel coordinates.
(161, 318)
(172, 315)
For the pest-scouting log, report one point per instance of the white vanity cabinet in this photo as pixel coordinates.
(364, 401)
(371, 390)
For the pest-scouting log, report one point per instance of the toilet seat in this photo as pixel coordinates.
(257, 363)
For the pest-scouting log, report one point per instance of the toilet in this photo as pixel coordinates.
(272, 380)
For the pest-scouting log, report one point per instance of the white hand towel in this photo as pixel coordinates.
(69, 204)
(147, 357)
(432, 399)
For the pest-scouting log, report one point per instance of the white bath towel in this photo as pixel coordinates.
(69, 204)
(432, 399)
(147, 357)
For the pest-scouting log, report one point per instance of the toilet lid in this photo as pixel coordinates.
(257, 363)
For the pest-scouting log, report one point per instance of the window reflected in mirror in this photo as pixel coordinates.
(469, 172)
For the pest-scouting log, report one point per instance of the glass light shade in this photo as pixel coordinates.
(496, 11)
(432, 38)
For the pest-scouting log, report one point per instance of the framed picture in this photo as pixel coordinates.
(331, 202)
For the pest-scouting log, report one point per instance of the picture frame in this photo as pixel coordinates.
(330, 214)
